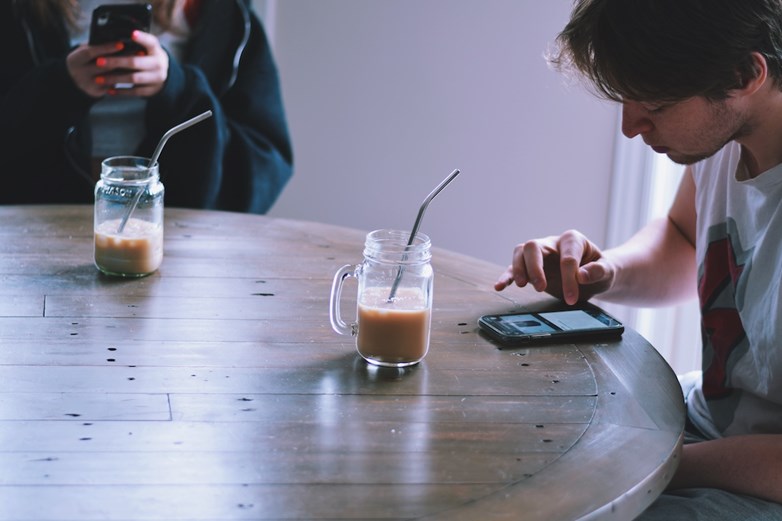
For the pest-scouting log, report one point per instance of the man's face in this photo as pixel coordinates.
(686, 131)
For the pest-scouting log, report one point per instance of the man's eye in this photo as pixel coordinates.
(655, 109)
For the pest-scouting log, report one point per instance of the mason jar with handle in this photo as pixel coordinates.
(394, 304)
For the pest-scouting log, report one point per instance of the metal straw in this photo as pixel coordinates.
(182, 126)
(417, 224)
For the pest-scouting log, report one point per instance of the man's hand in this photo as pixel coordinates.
(569, 267)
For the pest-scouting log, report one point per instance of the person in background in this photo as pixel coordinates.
(699, 81)
(62, 111)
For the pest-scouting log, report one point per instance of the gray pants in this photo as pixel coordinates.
(708, 504)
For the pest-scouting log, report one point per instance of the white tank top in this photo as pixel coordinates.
(739, 259)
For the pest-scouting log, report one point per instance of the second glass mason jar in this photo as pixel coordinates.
(128, 223)
(394, 305)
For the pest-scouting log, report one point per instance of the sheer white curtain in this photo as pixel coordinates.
(643, 186)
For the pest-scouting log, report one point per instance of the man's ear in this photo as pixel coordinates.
(751, 84)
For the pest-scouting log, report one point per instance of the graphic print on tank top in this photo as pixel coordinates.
(721, 284)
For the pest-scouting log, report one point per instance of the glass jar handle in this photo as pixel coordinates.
(345, 272)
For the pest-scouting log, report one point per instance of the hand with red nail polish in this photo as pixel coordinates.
(88, 67)
(146, 70)
(142, 74)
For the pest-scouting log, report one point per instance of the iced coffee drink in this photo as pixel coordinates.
(135, 252)
(396, 332)
(129, 191)
(394, 312)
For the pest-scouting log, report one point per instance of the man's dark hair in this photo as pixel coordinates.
(670, 50)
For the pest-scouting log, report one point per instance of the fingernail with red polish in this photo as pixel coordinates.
(119, 46)
(100, 80)
(100, 62)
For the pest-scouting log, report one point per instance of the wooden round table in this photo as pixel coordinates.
(216, 389)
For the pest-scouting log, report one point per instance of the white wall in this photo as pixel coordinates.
(385, 97)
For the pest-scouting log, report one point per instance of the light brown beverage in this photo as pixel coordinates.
(137, 251)
(393, 333)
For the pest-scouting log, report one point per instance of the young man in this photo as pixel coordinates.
(699, 81)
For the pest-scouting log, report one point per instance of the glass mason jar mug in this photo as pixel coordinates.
(394, 304)
(128, 223)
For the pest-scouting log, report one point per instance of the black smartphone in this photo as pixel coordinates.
(559, 325)
(116, 23)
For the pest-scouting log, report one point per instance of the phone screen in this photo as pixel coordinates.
(575, 319)
(526, 324)
(529, 323)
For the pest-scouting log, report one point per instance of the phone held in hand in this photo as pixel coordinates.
(116, 23)
(572, 324)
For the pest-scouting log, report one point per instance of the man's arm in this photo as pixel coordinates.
(749, 464)
(654, 267)
(657, 265)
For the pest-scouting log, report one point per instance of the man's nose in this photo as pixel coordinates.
(634, 120)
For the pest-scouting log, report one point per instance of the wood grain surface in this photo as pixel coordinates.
(215, 389)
